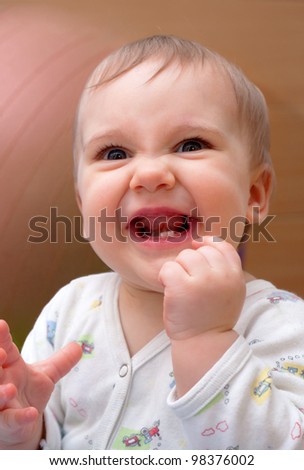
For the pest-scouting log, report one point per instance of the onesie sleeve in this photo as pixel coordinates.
(253, 397)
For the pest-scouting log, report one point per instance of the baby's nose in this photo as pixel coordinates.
(152, 174)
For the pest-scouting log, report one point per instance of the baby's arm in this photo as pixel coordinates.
(25, 390)
(230, 393)
(204, 295)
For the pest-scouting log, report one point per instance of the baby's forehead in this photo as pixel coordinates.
(153, 69)
(185, 95)
(157, 65)
(205, 80)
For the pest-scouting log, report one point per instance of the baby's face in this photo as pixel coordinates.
(161, 162)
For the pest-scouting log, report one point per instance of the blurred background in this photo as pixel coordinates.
(47, 50)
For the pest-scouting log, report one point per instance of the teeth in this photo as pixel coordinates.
(158, 229)
(168, 233)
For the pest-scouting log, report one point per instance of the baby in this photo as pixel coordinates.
(177, 348)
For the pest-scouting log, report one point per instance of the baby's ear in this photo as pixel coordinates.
(260, 192)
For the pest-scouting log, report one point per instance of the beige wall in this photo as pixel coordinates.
(264, 37)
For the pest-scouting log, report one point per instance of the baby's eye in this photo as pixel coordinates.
(111, 152)
(192, 145)
(115, 154)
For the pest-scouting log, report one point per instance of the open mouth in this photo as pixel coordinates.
(160, 228)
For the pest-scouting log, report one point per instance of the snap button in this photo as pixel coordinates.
(123, 370)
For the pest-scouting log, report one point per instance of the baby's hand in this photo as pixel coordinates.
(204, 292)
(204, 289)
(25, 390)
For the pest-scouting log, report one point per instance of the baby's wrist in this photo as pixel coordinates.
(212, 341)
(193, 357)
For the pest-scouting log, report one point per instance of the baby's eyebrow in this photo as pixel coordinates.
(106, 135)
(198, 128)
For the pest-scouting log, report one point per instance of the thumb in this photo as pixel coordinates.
(60, 363)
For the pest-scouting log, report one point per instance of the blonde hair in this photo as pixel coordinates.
(252, 109)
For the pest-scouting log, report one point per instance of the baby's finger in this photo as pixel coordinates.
(227, 251)
(6, 343)
(7, 393)
(58, 365)
(5, 335)
(12, 419)
(3, 357)
(171, 273)
(207, 256)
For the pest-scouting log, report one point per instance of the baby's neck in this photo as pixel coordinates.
(141, 316)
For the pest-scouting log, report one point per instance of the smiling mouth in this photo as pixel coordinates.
(160, 228)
